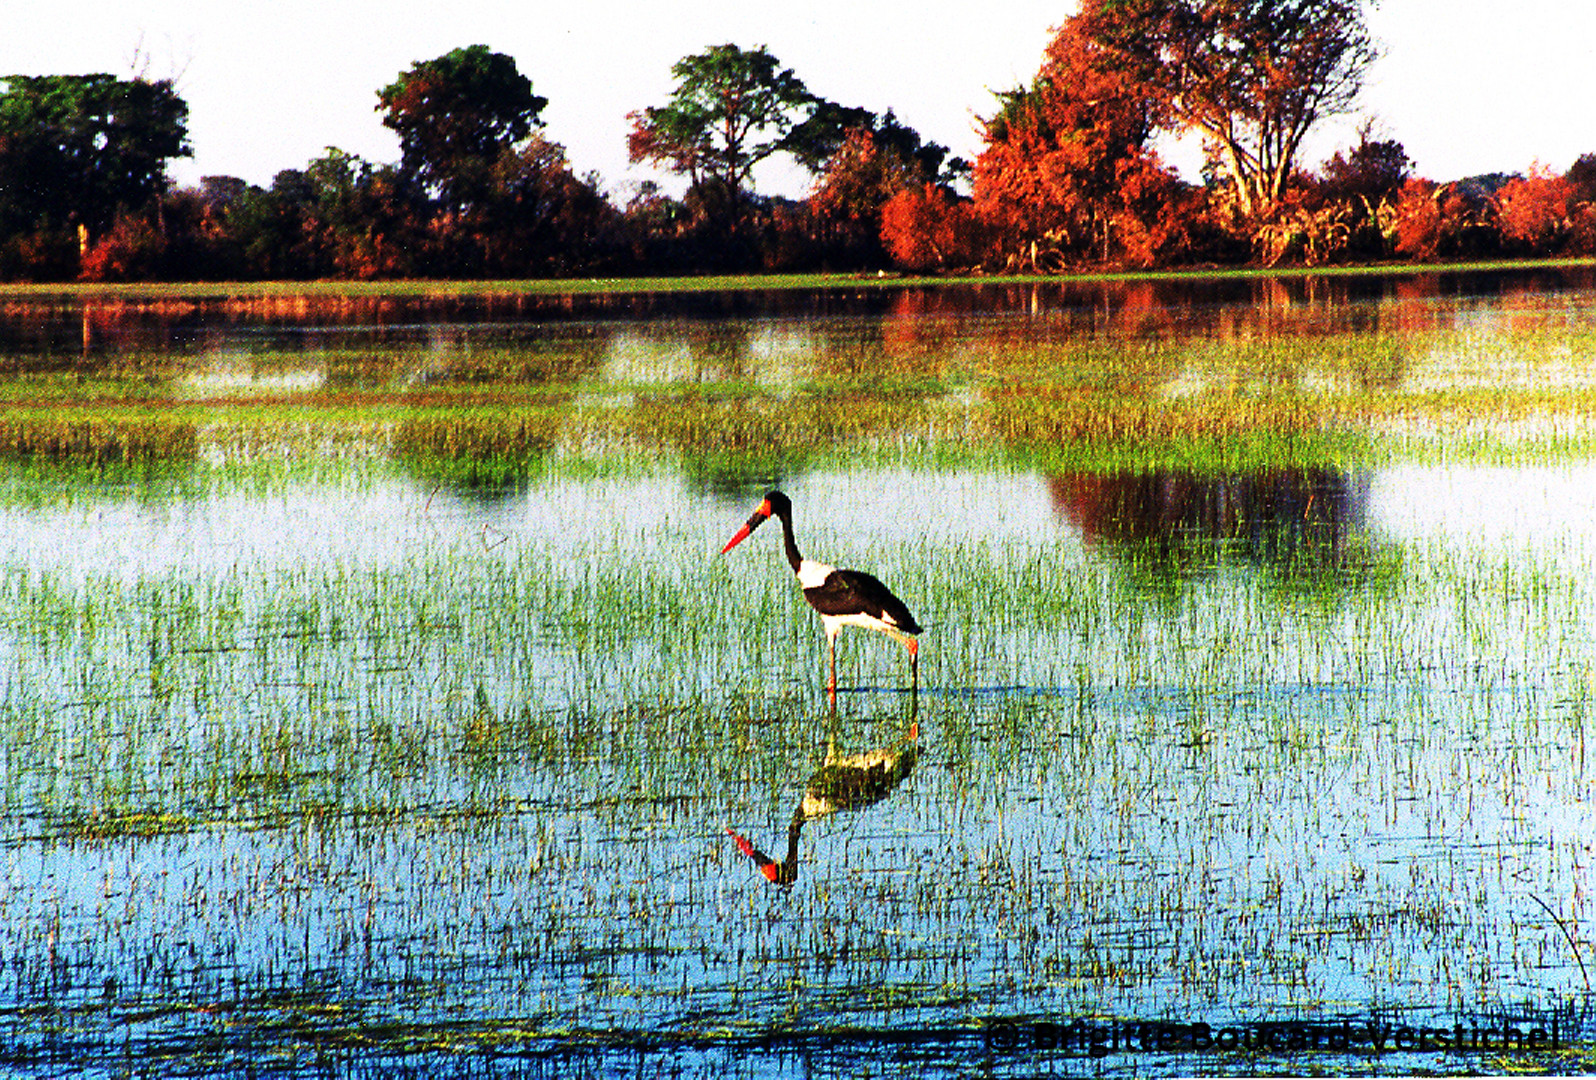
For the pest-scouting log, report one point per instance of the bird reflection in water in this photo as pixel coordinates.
(852, 782)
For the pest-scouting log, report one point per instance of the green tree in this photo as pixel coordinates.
(1372, 171)
(76, 149)
(1582, 177)
(929, 158)
(271, 228)
(1349, 210)
(1253, 76)
(358, 219)
(732, 109)
(456, 115)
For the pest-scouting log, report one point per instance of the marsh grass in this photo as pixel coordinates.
(1139, 813)
(330, 709)
(500, 412)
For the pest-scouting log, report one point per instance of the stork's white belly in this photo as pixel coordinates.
(835, 623)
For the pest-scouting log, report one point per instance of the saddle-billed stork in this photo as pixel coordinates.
(842, 783)
(841, 597)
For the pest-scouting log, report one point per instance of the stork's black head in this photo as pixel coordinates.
(774, 504)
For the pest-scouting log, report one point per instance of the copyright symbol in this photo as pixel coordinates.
(1002, 1035)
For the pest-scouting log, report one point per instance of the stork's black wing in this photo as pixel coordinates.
(854, 592)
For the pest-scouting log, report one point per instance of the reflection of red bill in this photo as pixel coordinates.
(767, 865)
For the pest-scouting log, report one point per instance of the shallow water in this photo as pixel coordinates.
(340, 767)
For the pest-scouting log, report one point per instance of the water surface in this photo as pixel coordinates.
(326, 752)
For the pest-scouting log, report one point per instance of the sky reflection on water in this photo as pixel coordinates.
(378, 524)
(1531, 506)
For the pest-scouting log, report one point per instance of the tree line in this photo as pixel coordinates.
(1068, 176)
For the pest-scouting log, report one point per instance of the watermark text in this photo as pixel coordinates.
(1102, 1038)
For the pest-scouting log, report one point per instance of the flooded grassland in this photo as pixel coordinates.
(374, 698)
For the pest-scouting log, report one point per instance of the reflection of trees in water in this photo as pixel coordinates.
(60, 332)
(1227, 307)
(488, 454)
(728, 447)
(843, 782)
(1295, 521)
(466, 355)
(677, 353)
(749, 443)
(732, 480)
(479, 460)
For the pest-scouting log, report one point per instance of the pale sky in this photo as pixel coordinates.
(1468, 86)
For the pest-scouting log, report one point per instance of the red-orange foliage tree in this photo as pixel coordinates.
(859, 179)
(132, 249)
(1446, 221)
(927, 228)
(876, 159)
(1066, 175)
(1418, 219)
(1534, 212)
(1253, 76)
